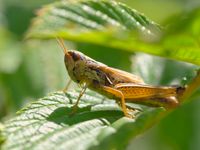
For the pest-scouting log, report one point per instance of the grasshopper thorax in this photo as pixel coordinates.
(82, 68)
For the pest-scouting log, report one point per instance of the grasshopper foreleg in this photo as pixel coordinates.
(75, 106)
(67, 86)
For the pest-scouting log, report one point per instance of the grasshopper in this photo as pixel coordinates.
(115, 83)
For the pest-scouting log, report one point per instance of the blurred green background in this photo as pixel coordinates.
(31, 69)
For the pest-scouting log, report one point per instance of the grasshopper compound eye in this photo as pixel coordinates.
(75, 55)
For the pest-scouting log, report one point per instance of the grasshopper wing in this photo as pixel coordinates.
(118, 76)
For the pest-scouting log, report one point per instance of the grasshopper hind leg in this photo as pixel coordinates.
(119, 94)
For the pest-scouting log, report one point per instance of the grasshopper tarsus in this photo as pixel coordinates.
(74, 110)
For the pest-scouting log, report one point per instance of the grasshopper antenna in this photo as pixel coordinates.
(62, 45)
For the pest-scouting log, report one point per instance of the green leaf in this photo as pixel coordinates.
(85, 15)
(48, 123)
(113, 24)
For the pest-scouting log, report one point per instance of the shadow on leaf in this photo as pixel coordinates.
(62, 115)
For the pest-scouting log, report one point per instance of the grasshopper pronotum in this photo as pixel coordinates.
(115, 83)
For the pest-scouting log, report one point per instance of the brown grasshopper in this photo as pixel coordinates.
(117, 84)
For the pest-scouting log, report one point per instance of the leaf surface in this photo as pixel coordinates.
(48, 123)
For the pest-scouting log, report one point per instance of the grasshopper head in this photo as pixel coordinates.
(79, 66)
(71, 59)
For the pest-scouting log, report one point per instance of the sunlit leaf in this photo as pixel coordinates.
(112, 24)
